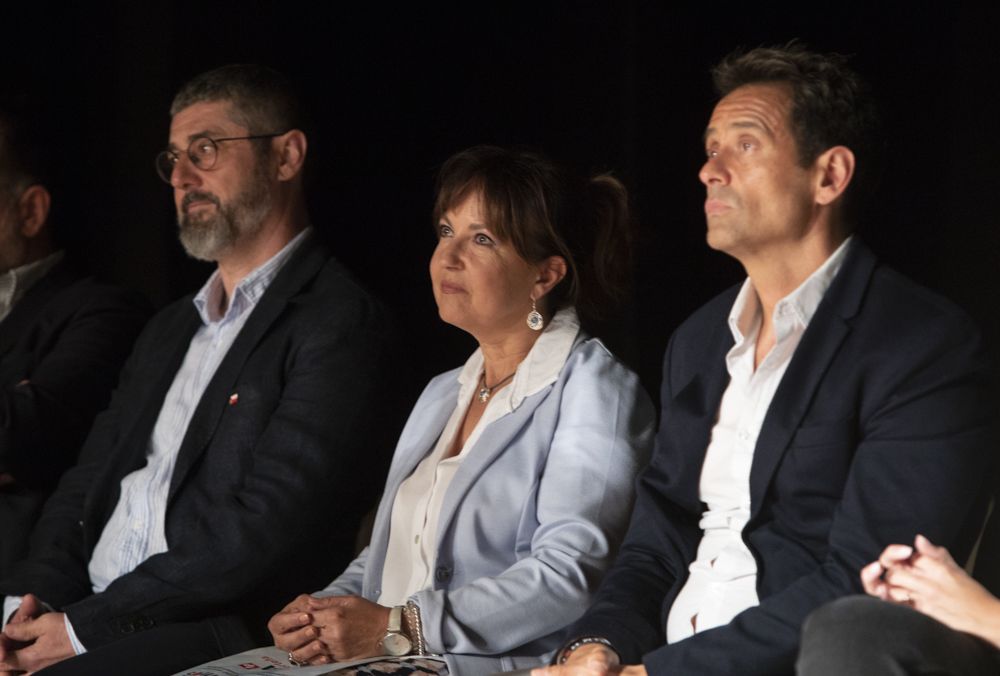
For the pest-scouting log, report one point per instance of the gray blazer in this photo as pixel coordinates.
(532, 518)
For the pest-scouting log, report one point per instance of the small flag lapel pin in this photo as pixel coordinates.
(233, 398)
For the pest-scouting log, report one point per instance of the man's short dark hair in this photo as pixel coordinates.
(830, 103)
(262, 99)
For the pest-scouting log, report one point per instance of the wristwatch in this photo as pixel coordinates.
(395, 642)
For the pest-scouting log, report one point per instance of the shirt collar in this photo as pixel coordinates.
(798, 306)
(15, 282)
(537, 370)
(248, 292)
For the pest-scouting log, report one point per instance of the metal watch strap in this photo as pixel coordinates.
(395, 620)
(412, 611)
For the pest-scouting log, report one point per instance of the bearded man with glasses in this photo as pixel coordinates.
(226, 473)
(204, 234)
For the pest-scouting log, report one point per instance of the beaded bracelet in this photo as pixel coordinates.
(579, 643)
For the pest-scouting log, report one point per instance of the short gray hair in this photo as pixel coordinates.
(262, 99)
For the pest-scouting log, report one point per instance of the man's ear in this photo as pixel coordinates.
(835, 168)
(33, 209)
(291, 150)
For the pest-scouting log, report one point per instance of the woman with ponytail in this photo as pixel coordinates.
(512, 482)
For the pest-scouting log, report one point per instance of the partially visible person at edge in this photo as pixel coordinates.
(924, 615)
(513, 479)
(824, 407)
(63, 335)
(240, 448)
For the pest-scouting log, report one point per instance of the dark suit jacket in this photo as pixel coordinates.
(277, 465)
(67, 337)
(880, 429)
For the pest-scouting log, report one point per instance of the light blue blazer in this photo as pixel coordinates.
(532, 517)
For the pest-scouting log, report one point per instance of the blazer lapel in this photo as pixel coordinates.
(701, 395)
(132, 445)
(430, 415)
(140, 428)
(486, 450)
(810, 363)
(297, 271)
(692, 414)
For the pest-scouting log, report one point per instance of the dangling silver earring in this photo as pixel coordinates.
(535, 319)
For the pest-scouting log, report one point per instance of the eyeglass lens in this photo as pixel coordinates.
(202, 152)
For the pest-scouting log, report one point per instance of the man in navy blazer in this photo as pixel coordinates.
(241, 447)
(827, 407)
(63, 335)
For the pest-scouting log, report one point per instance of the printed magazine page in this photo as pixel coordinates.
(271, 660)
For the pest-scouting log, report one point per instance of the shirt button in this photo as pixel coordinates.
(416, 539)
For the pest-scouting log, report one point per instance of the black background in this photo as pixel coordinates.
(619, 86)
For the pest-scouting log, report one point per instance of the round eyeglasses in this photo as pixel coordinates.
(202, 151)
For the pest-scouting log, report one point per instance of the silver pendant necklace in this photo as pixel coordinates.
(486, 390)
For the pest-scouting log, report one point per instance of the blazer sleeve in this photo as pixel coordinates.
(313, 442)
(583, 498)
(45, 418)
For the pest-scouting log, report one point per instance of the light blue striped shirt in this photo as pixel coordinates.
(135, 530)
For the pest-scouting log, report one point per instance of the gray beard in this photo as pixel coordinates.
(209, 236)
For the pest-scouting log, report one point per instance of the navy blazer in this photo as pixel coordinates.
(532, 517)
(274, 472)
(61, 348)
(881, 428)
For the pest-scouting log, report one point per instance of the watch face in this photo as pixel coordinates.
(396, 644)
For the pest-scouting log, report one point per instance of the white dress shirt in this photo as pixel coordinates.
(723, 579)
(15, 282)
(135, 530)
(416, 510)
